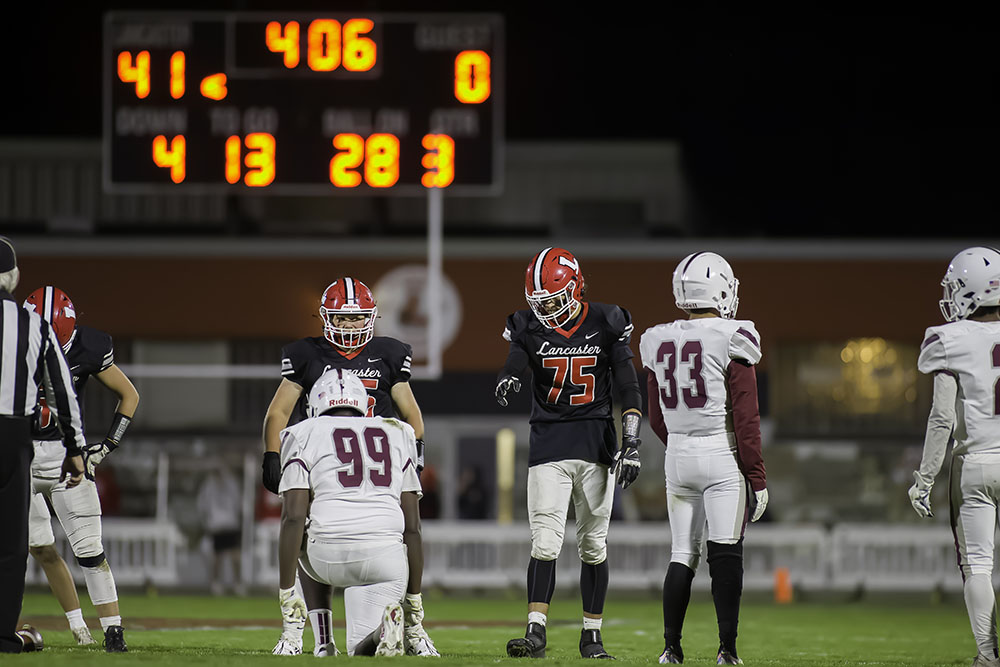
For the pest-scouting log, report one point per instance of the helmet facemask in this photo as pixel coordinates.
(554, 310)
(348, 338)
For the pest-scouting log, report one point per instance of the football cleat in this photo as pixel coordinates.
(984, 661)
(727, 657)
(82, 636)
(591, 645)
(531, 645)
(31, 639)
(417, 642)
(390, 641)
(672, 655)
(114, 639)
(326, 650)
(288, 644)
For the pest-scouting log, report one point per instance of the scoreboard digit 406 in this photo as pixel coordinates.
(303, 103)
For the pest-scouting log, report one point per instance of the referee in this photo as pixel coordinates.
(30, 358)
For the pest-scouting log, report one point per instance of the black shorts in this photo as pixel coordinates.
(591, 440)
(226, 540)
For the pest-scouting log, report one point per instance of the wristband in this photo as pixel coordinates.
(118, 427)
(630, 425)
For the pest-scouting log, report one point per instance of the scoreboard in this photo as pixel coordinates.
(303, 103)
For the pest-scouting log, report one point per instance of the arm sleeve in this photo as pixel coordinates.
(294, 467)
(620, 322)
(627, 385)
(940, 423)
(741, 381)
(517, 357)
(59, 391)
(654, 412)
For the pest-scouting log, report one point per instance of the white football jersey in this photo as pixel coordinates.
(689, 359)
(970, 351)
(356, 468)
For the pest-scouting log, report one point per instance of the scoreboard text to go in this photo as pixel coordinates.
(372, 160)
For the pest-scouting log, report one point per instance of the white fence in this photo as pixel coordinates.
(485, 555)
(873, 557)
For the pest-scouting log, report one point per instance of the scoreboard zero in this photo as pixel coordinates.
(297, 103)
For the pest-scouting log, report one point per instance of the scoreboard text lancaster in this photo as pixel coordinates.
(303, 103)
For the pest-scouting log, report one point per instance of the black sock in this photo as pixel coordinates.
(594, 587)
(676, 596)
(725, 566)
(541, 580)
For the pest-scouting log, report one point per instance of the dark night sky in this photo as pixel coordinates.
(860, 122)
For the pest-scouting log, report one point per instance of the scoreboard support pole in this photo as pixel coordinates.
(435, 252)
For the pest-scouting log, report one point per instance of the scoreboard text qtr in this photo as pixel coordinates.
(303, 103)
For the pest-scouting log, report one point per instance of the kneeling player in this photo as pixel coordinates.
(346, 473)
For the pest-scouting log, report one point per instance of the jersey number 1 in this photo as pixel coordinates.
(694, 393)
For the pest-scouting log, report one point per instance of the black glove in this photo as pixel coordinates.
(272, 471)
(420, 455)
(627, 463)
(506, 384)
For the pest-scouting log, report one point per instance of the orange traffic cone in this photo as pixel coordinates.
(782, 586)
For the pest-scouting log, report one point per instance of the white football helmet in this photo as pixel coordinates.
(705, 280)
(338, 388)
(972, 280)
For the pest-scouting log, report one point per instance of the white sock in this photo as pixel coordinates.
(981, 604)
(592, 623)
(321, 621)
(75, 619)
(108, 621)
(537, 617)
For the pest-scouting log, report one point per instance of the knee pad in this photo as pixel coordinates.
(686, 558)
(593, 552)
(91, 561)
(546, 544)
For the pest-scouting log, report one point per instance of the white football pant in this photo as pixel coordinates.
(704, 484)
(373, 577)
(551, 486)
(975, 495)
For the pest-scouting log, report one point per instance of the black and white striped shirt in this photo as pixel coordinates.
(30, 358)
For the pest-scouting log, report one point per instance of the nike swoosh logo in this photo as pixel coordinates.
(372, 361)
(591, 335)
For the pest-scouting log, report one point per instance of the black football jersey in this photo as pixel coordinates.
(382, 363)
(91, 352)
(571, 369)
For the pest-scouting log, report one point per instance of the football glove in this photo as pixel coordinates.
(920, 495)
(759, 504)
(627, 463)
(293, 609)
(94, 453)
(507, 384)
(271, 468)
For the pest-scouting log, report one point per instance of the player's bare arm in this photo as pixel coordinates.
(115, 380)
(407, 408)
(294, 510)
(276, 419)
(278, 412)
(410, 503)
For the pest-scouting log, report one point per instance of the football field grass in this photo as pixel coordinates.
(469, 630)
